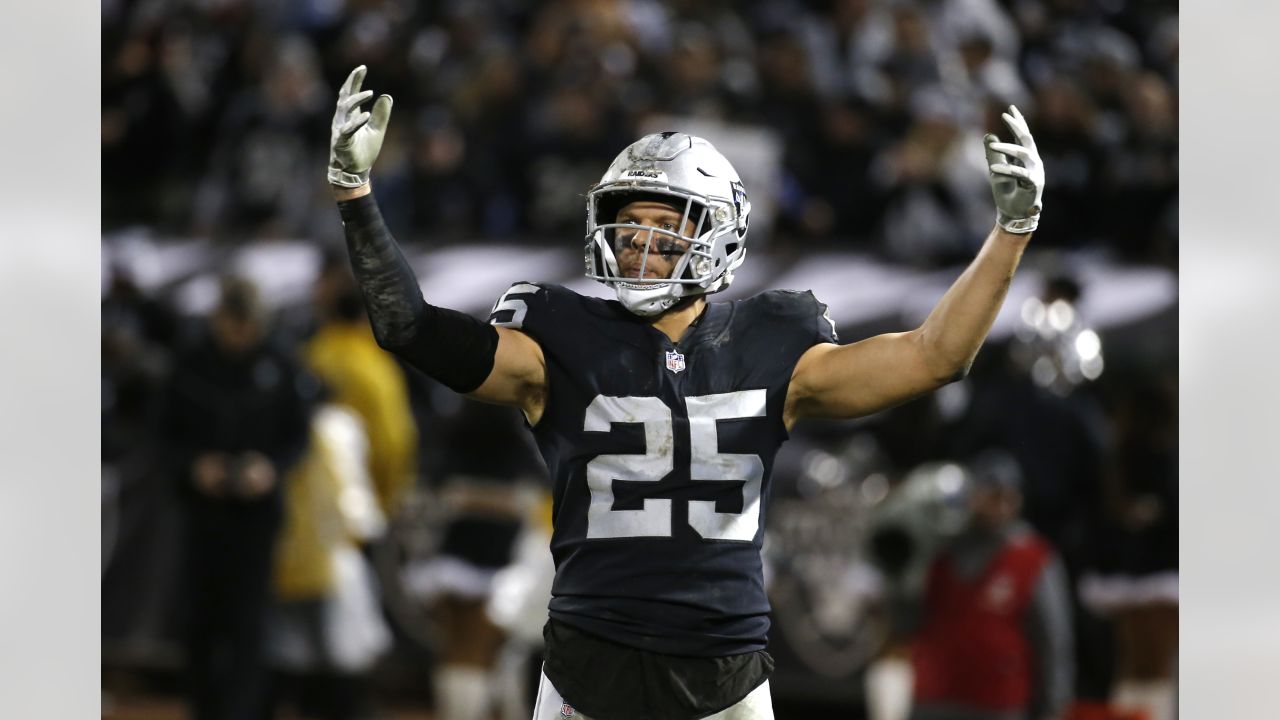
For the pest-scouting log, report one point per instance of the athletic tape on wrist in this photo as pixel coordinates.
(1018, 225)
(346, 179)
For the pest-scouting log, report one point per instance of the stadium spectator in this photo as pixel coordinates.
(364, 378)
(234, 421)
(932, 183)
(995, 635)
(328, 629)
(484, 500)
(1132, 576)
(263, 145)
(360, 465)
(136, 330)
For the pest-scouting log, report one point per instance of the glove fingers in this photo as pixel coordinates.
(353, 82)
(351, 102)
(1016, 151)
(1018, 125)
(1013, 171)
(381, 113)
(993, 156)
(354, 124)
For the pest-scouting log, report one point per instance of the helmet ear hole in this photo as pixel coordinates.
(695, 268)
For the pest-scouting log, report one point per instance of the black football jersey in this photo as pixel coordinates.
(660, 456)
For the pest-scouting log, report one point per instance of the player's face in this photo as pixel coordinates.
(664, 251)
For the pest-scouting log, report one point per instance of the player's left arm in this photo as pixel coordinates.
(844, 381)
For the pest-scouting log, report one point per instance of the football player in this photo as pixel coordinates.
(659, 413)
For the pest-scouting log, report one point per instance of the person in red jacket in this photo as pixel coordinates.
(995, 636)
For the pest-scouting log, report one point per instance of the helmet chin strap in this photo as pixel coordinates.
(647, 300)
(651, 300)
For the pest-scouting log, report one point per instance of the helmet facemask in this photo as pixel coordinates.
(689, 175)
(706, 258)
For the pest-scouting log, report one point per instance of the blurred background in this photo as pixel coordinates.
(272, 480)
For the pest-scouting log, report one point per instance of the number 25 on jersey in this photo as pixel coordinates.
(706, 463)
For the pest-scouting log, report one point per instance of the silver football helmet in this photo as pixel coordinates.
(689, 174)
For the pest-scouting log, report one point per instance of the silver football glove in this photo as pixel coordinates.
(1016, 176)
(356, 136)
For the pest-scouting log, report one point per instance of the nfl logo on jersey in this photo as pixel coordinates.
(675, 361)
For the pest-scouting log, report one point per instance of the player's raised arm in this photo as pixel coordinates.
(493, 364)
(885, 370)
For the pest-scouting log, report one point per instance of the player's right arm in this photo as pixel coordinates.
(494, 364)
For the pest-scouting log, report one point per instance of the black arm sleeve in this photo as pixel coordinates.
(450, 346)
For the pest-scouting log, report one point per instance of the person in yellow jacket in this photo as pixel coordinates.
(328, 628)
(364, 377)
(359, 466)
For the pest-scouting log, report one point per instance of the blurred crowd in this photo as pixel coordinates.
(259, 465)
(216, 112)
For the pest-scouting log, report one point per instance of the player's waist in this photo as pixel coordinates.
(658, 626)
(605, 679)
